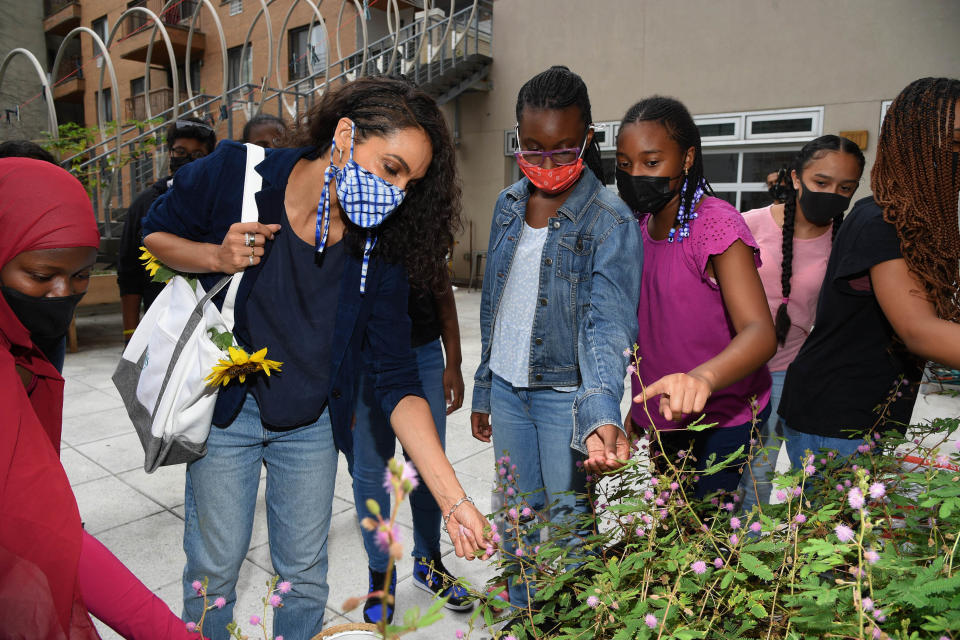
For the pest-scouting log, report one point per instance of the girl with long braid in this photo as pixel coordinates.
(889, 300)
(795, 239)
(705, 330)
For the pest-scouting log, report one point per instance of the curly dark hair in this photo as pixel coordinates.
(420, 232)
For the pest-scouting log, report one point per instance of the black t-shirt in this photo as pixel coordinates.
(132, 278)
(849, 372)
(292, 310)
(422, 309)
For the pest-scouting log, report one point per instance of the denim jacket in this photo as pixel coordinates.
(587, 300)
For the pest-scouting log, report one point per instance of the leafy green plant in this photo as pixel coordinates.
(863, 547)
(74, 141)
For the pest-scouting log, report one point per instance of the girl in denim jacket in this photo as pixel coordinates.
(559, 299)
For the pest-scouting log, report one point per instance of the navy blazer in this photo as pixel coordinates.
(206, 198)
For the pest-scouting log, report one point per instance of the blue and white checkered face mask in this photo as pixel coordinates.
(365, 197)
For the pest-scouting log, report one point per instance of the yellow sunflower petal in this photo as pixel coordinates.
(259, 355)
(238, 356)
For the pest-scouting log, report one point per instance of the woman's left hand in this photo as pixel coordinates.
(466, 528)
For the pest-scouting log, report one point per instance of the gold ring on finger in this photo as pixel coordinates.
(249, 239)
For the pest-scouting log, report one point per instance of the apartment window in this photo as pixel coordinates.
(137, 86)
(308, 51)
(238, 73)
(107, 97)
(236, 6)
(99, 27)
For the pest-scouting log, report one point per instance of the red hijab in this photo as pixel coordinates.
(41, 207)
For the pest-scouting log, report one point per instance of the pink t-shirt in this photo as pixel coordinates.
(810, 257)
(682, 319)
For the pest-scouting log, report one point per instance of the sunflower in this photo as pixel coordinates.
(158, 271)
(239, 365)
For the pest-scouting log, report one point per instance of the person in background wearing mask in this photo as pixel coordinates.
(265, 130)
(187, 140)
(53, 575)
(890, 299)
(775, 183)
(794, 249)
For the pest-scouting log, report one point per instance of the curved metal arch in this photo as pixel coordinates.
(423, 38)
(107, 64)
(446, 32)
(393, 26)
(146, 79)
(292, 109)
(243, 52)
(366, 40)
(223, 48)
(473, 14)
(44, 82)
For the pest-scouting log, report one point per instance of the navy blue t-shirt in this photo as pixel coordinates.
(291, 311)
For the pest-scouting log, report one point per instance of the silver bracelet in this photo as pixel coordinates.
(459, 502)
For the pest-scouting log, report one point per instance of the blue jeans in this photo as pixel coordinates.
(221, 494)
(756, 482)
(721, 441)
(534, 427)
(798, 443)
(374, 443)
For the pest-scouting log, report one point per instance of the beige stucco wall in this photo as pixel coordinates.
(734, 55)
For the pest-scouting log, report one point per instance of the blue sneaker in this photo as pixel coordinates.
(374, 609)
(430, 575)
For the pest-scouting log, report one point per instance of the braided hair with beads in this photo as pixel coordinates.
(559, 88)
(676, 119)
(915, 180)
(813, 150)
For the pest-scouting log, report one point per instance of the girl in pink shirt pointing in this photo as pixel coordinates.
(795, 239)
(704, 328)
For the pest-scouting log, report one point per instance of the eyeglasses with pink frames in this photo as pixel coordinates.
(560, 157)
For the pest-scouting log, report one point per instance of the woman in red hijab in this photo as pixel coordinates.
(51, 572)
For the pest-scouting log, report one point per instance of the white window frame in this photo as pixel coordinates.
(742, 121)
(814, 115)
(739, 187)
(884, 106)
(737, 122)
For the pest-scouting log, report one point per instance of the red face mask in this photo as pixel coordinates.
(555, 179)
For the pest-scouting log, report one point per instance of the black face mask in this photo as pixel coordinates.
(47, 319)
(178, 163)
(820, 208)
(645, 194)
